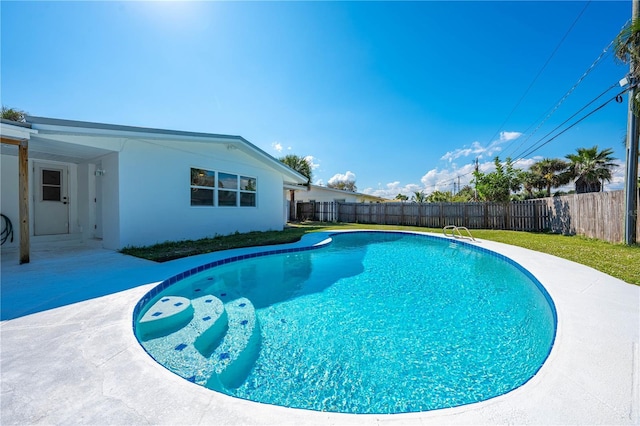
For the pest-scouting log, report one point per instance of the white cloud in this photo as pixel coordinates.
(313, 162)
(478, 150)
(617, 180)
(277, 146)
(526, 163)
(339, 177)
(444, 179)
(509, 136)
(390, 190)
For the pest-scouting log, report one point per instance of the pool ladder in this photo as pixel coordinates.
(455, 232)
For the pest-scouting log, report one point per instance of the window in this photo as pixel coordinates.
(247, 191)
(227, 189)
(202, 184)
(232, 190)
(51, 185)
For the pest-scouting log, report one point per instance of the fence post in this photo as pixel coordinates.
(485, 214)
(507, 216)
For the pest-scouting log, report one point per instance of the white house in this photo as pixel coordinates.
(137, 186)
(321, 195)
(325, 194)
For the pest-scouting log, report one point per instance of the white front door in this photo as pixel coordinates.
(51, 204)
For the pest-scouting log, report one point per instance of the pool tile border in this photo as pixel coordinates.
(149, 296)
(312, 245)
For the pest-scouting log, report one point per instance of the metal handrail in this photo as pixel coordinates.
(456, 229)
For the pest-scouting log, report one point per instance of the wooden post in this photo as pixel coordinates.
(23, 190)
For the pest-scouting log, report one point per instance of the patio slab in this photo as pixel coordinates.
(68, 361)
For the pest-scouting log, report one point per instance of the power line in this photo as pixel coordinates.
(533, 147)
(569, 92)
(540, 72)
(539, 144)
(617, 96)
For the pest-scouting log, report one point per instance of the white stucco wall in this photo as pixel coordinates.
(154, 194)
(110, 201)
(86, 204)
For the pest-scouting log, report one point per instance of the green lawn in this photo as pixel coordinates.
(617, 260)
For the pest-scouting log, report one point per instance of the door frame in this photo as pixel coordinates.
(39, 203)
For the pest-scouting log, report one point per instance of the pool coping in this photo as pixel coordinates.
(81, 364)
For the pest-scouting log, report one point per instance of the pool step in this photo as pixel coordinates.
(225, 349)
(179, 352)
(233, 360)
(167, 315)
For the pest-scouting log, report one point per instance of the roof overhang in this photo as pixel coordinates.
(16, 130)
(55, 139)
(296, 187)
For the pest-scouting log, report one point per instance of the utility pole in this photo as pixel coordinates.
(631, 178)
(475, 187)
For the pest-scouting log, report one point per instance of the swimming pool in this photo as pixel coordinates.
(371, 323)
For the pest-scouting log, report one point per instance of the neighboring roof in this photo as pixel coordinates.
(56, 126)
(343, 192)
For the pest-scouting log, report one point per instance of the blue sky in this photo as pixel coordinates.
(400, 96)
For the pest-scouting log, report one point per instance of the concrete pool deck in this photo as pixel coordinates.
(68, 354)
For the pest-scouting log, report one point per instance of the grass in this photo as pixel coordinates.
(617, 260)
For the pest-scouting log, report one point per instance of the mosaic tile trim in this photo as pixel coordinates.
(172, 280)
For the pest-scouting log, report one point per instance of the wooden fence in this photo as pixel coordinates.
(596, 215)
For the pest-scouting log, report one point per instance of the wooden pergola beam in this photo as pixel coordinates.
(23, 193)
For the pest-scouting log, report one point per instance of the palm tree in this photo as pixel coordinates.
(439, 197)
(626, 51)
(550, 173)
(591, 168)
(299, 164)
(302, 166)
(532, 181)
(419, 197)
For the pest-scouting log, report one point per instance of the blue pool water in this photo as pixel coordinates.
(371, 323)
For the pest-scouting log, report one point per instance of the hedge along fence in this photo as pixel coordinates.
(596, 215)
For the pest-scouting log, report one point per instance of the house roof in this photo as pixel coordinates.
(15, 123)
(343, 192)
(53, 126)
(15, 130)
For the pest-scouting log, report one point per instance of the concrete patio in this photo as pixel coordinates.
(69, 356)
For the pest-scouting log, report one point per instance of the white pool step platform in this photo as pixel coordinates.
(168, 314)
(226, 343)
